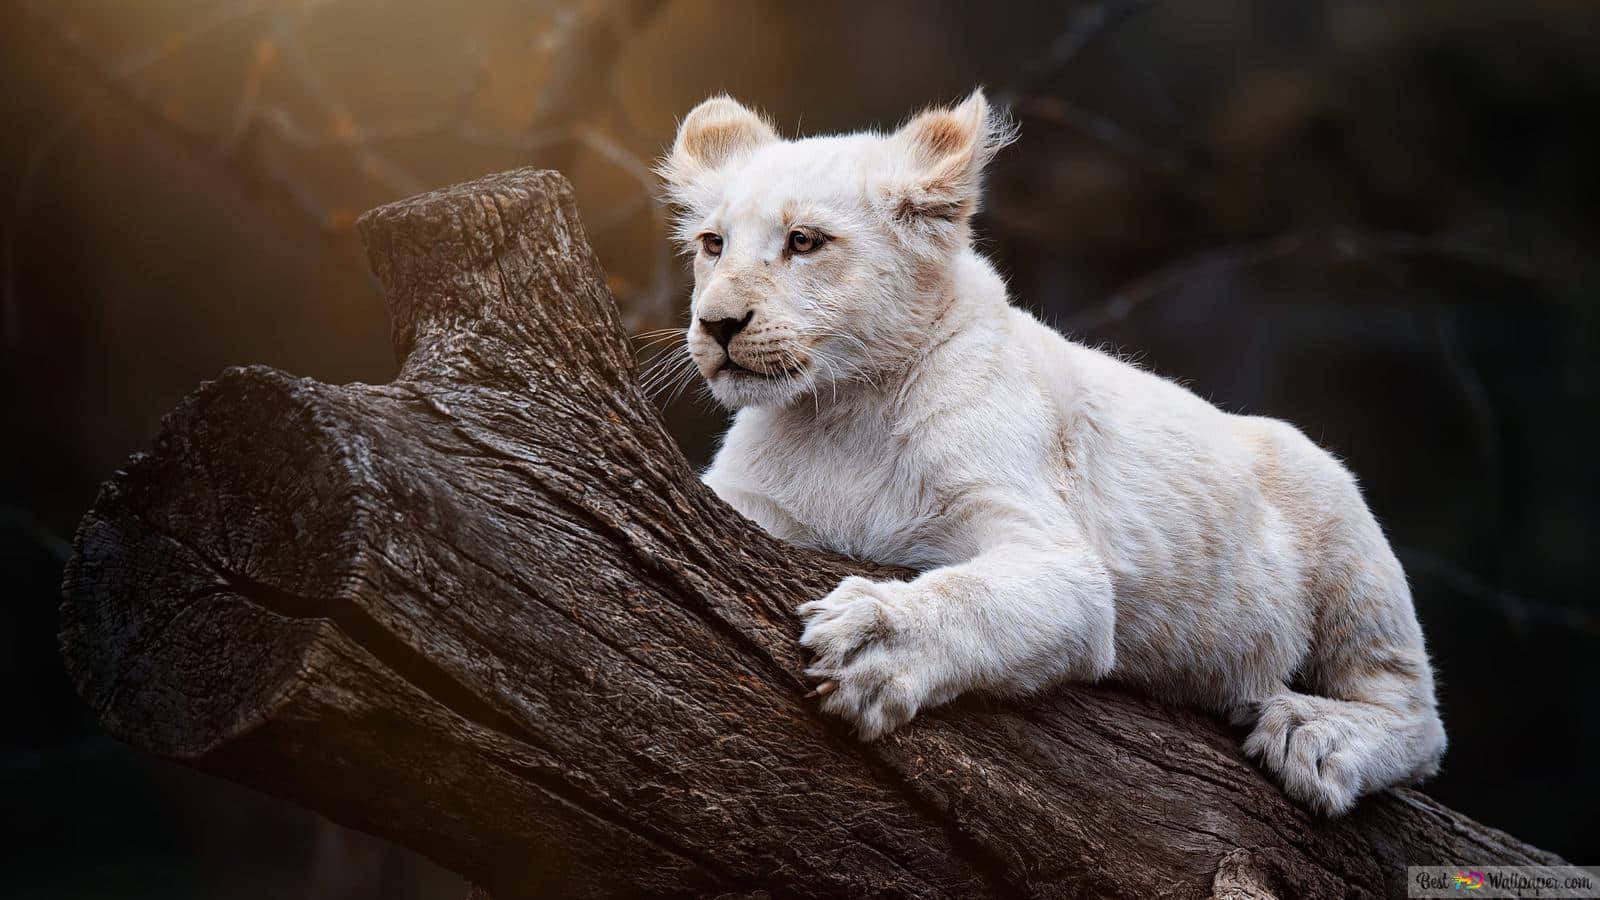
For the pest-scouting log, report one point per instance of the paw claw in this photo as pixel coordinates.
(823, 689)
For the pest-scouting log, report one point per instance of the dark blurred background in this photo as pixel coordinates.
(1376, 219)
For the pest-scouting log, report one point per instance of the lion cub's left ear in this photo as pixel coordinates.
(717, 132)
(942, 156)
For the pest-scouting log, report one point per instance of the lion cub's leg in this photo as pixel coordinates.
(1372, 722)
(758, 509)
(1010, 621)
(1329, 752)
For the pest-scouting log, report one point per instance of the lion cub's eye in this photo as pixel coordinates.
(711, 244)
(803, 241)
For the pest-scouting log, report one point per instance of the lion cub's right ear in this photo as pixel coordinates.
(713, 134)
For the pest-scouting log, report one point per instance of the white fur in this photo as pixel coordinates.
(1073, 516)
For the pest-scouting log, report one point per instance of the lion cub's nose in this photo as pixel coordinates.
(724, 329)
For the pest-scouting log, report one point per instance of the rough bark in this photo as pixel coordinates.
(487, 611)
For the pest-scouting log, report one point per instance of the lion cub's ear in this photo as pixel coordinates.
(942, 155)
(715, 133)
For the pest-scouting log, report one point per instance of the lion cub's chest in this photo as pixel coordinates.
(855, 489)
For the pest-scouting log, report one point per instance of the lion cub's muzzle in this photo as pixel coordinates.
(746, 352)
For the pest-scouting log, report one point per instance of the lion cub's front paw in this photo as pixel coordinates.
(865, 647)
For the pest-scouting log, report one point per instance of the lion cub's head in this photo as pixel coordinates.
(821, 260)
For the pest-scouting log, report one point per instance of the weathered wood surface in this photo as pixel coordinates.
(487, 611)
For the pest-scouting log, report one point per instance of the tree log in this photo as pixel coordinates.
(487, 611)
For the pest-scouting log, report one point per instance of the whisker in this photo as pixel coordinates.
(654, 353)
(672, 362)
(824, 360)
(654, 332)
(683, 382)
(671, 383)
(645, 344)
(685, 377)
(656, 363)
(842, 370)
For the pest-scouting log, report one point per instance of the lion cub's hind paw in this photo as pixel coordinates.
(1309, 751)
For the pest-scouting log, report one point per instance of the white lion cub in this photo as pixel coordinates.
(1073, 517)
